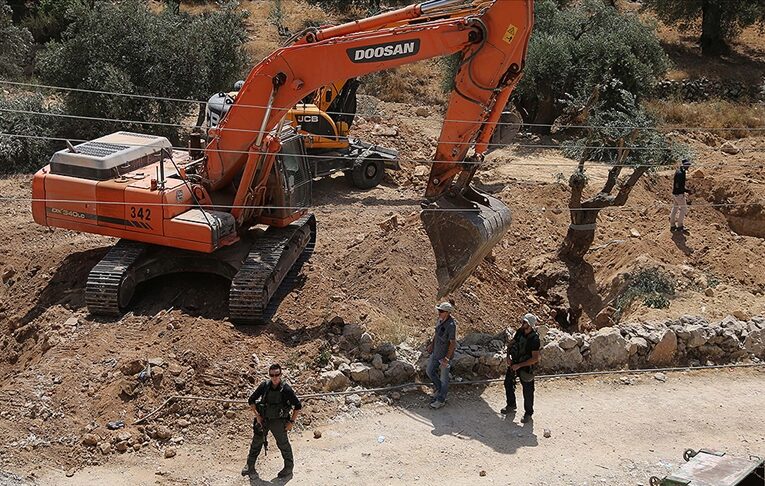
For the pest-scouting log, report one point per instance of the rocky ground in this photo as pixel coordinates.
(587, 431)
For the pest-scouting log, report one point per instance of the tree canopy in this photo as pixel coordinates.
(127, 48)
(577, 46)
(721, 20)
(16, 44)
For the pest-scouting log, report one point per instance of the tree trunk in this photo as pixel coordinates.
(712, 40)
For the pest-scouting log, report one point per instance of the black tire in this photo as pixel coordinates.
(368, 172)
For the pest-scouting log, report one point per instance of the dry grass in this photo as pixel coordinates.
(418, 83)
(715, 115)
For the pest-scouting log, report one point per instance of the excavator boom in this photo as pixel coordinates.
(491, 37)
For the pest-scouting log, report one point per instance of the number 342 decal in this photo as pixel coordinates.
(140, 213)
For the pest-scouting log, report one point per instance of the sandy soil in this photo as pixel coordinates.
(602, 432)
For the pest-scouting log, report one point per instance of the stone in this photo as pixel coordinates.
(182, 423)
(8, 274)
(665, 349)
(634, 233)
(230, 414)
(360, 372)
(377, 361)
(399, 372)
(389, 224)
(175, 369)
(729, 148)
(170, 452)
(353, 331)
(376, 377)
(555, 358)
(70, 472)
(696, 336)
(482, 473)
(384, 131)
(157, 375)
(50, 340)
(156, 361)
(365, 342)
(463, 363)
(492, 360)
(660, 377)
(344, 368)
(421, 171)
(605, 317)
(317, 434)
(90, 440)
(709, 292)
(476, 339)
(422, 111)
(353, 399)
(567, 342)
(105, 448)
(121, 447)
(71, 322)
(334, 380)
(754, 344)
(133, 367)
(395, 395)
(163, 433)
(124, 436)
(547, 433)
(542, 330)
(608, 349)
(387, 351)
(741, 315)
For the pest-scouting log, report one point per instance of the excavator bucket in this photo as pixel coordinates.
(463, 230)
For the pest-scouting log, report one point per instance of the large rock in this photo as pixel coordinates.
(605, 317)
(133, 367)
(555, 358)
(399, 372)
(608, 349)
(334, 380)
(665, 349)
(463, 363)
(376, 377)
(387, 351)
(360, 372)
(365, 342)
(755, 343)
(477, 339)
(697, 336)
(567, 341)
(352, 331)
(492, 360)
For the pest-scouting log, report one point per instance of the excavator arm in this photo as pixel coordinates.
(492, 39)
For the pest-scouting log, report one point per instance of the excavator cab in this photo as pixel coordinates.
(290, 181)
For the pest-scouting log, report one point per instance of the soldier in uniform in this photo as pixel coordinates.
(522, 354)
(276, 408)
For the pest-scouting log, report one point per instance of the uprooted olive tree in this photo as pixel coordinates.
(624, 135)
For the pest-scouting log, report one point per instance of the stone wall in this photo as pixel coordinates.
(689, 340)
(703, 89)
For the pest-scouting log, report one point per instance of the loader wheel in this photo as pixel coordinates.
(367, 172)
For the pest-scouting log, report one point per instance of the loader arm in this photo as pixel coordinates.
(492, 37)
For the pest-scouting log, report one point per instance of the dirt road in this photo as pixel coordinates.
(603, 431)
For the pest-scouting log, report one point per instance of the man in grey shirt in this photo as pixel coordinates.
(442, 350)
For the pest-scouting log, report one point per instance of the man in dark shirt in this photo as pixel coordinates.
(679, 206)
(276, 408)
(522, 354)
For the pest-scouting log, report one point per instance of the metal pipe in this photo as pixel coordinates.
(263, 124)
(434, 5)
(161, 182)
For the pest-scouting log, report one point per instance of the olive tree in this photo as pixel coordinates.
(127, 48)
(576, 46)
(721, 20)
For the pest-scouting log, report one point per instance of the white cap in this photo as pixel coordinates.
(531, 319)
(445, 306)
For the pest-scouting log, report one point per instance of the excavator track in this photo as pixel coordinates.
(269, 261)
(111, 283)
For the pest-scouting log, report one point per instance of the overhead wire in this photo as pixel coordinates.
(245, 105)
(423, 160)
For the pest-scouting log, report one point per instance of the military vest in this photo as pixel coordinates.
(273, 405)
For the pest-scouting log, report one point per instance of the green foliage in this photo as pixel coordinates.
(324, 356)
(15, 44)
(126, 48)
(576, 47)
(450, 65)
(20, 154)
(614, 117)
(650, 284)
(731, 16)
(49, 18)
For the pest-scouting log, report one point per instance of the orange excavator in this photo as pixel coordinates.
(239, 207)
